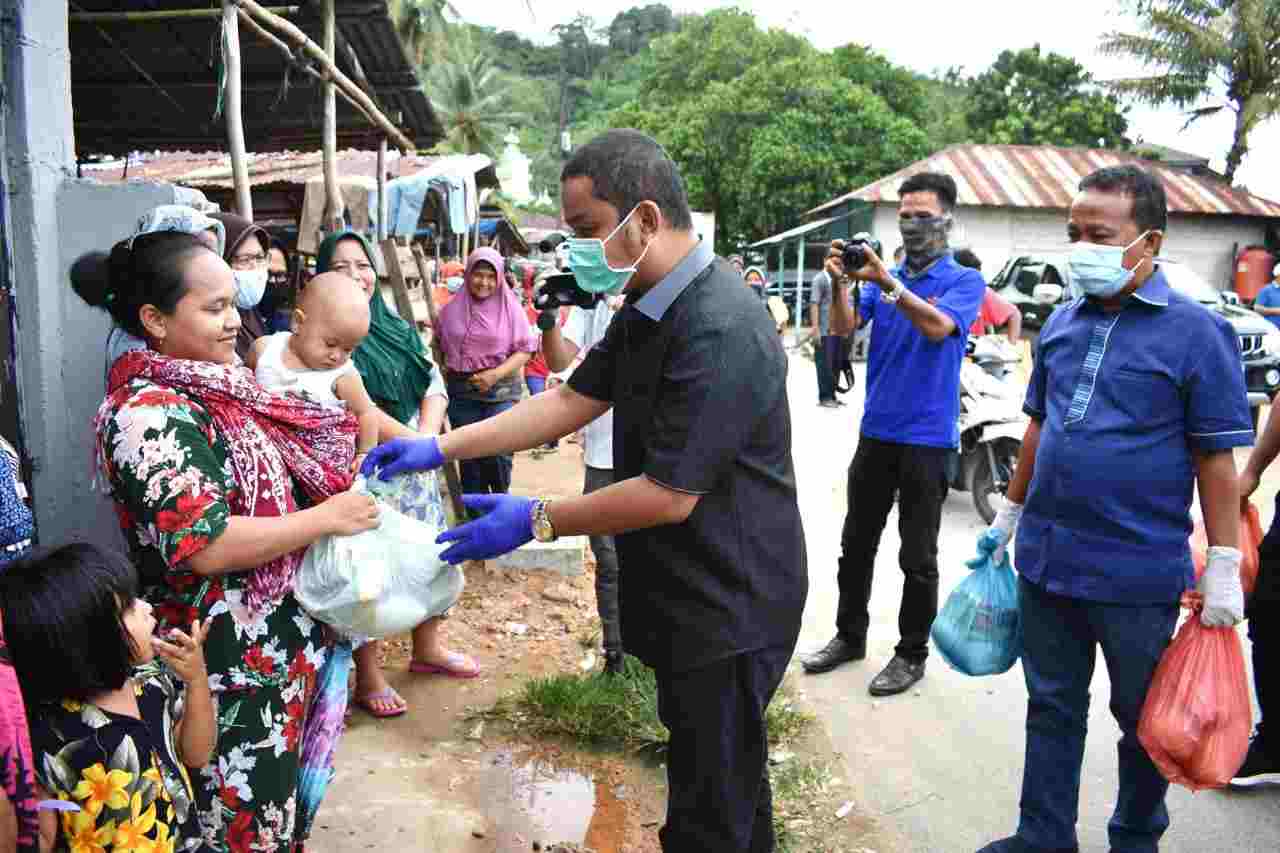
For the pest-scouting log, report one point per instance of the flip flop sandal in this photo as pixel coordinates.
(459, 666)
(389, 696)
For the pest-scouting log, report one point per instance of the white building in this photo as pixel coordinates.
(513, 170)
(1013, 200)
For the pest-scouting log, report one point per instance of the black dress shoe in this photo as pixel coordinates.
(897, 677)
(836, 652)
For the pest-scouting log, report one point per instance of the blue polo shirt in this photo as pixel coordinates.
(1269, 297)
(913, 384)
(1123, 400)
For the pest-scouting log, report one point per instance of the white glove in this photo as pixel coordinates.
(1003, 527)
(1220, 586)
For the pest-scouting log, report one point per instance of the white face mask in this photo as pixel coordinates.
(250, 286)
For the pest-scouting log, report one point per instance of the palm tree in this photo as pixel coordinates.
(422, 25)
(473, 99)
(1224, 52)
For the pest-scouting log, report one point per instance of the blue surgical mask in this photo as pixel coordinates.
(250, 286)
(590, 264)
(1098, 271)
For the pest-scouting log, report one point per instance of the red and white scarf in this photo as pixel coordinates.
(274, 440)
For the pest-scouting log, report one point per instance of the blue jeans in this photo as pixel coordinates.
(490, 473)
(1061, 636)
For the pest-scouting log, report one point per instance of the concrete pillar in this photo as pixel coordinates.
(39, 155)
(51, 219)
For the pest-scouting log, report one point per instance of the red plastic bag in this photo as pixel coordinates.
(1250, 539)
(1196, 719)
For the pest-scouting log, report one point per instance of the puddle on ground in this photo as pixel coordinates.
(528, 799)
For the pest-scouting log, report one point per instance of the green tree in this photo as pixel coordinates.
(1206, 56)
(473, 99)
(631, 31)
(1029, 98)
(422, 25)
(763, 125)
(905, 91)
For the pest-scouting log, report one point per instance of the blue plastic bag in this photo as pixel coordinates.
(979, 631)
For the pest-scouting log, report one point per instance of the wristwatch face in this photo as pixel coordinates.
(542, 530)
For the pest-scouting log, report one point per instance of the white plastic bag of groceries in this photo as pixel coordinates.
(389, 579)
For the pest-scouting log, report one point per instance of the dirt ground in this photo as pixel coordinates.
(436, 779)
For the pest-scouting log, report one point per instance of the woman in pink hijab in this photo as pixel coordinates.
(486, 340)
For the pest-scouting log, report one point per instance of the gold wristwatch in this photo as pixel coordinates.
(543, 530)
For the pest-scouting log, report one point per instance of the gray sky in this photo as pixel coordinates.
(936, 34)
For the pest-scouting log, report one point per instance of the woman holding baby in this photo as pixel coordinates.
(219, 487)
(410, 392)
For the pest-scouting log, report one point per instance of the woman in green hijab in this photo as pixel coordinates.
(410, 391)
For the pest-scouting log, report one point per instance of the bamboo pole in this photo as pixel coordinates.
(452, 480)
(161, 15)
(333, 205)
(290, 33)
(382, 189)
(235, 123)
(305, 68)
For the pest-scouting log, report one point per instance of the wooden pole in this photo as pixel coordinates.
(353, 93)
(161, 15)
(332, 193)
(382, 190)
(235, 123)
(452, 480)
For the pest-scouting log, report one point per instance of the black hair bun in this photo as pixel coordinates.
(91, 278)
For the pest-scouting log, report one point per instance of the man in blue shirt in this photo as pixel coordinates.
(1268, 302)
(922, 312)
(1136, 398)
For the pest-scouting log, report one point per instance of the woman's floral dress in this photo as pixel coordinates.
(170, 475)
(123, 772)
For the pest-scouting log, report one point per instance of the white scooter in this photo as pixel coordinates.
(992, 423)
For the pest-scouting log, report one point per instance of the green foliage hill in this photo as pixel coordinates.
(763, 124)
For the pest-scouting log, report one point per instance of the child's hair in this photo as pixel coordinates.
(64, 621)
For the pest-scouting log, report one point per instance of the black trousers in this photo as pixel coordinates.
(718, 795)
(606, 568)
(1264, 633)
(825, 353)
(916, 477)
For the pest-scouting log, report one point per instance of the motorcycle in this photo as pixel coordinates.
(991, 423)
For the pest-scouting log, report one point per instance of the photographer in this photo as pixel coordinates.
(563, 344)
(922, 312)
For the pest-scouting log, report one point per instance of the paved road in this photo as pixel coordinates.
(943, 765)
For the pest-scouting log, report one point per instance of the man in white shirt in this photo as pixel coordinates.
(563, 348)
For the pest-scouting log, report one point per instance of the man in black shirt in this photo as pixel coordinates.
(703, 505)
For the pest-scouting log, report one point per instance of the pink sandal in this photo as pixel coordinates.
(459, 666)
(389, 696)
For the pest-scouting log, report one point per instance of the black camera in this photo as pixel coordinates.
(855, 254)
(562, 290)
(548, 243)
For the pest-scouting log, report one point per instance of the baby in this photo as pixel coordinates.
(314, 360)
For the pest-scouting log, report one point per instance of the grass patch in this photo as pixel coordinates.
(800, 787)
(615, 712)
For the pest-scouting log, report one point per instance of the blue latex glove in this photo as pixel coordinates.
(506, 525)
(403, 454)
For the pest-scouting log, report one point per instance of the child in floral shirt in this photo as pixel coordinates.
(114, 730)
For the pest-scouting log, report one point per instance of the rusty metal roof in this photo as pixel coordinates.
(145, 85)
(212, 169)
(1042, 176)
